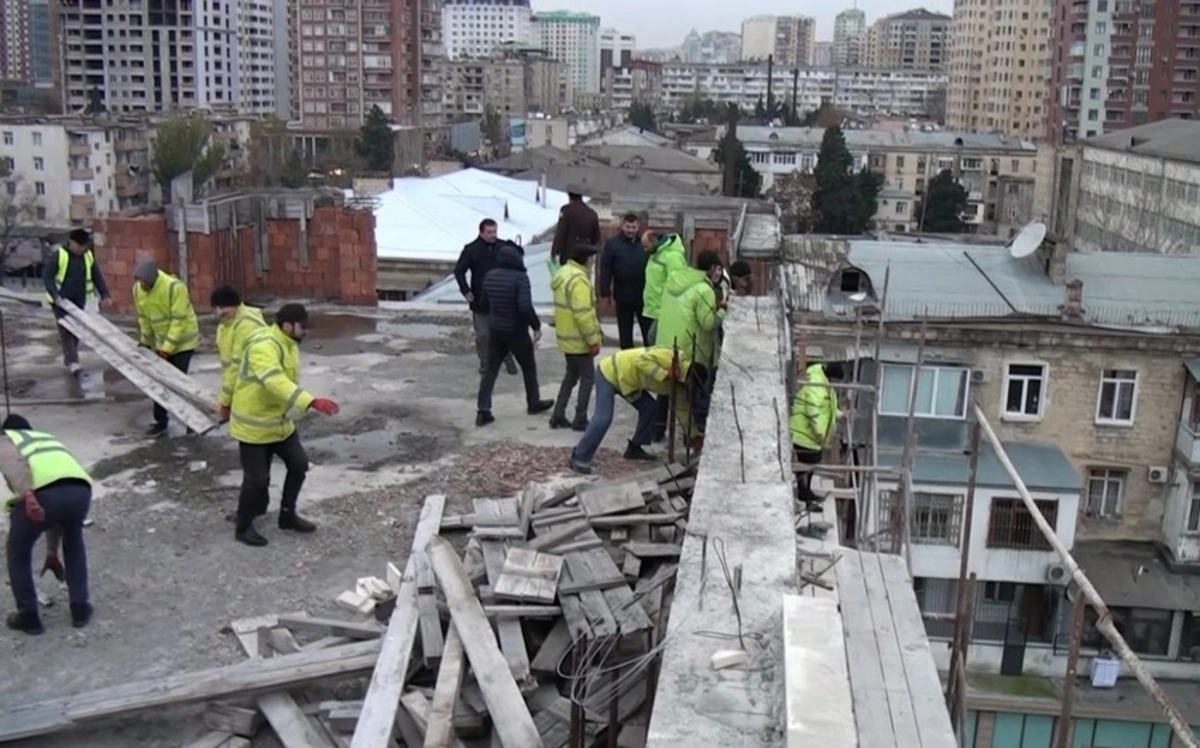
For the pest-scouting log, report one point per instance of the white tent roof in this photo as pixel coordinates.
(431, 219)
(537, 263)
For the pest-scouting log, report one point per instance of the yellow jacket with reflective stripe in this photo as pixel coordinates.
(575, 322)
(638, 370)
(62, 257)
(166, 319)
(232, 336)
(814, 411)
(267, 390)
(49, 460)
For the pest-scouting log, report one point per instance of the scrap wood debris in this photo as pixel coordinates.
(542, 634)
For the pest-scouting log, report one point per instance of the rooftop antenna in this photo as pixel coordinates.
(1027, 241)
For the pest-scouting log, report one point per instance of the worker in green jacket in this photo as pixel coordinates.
(813, 423)
(666, 254)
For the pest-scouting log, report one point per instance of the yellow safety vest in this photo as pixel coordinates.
(575, 323)
(267, 389)
(166, 318)
(814, 411)
(232, 337)
(48, 459)
(63, 259)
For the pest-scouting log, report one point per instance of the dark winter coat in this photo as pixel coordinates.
(507, 294)
(577, 224)
(623, 270)
(478, 258)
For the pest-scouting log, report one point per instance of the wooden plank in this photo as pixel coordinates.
(529, 500)
(622, 520)
(586, 543)
(508, 630)
(331, 626)
(498, 510)
(510, 716)
(550, 654)
(529, 576)
(429, 620)
(566, 515)
(439, 732)
(378, 718)
(556, 536)
(654, 550)
(612, 498)
(632, 567)
(233, 719)
(522, 611)
(899, 701)
(214, 739)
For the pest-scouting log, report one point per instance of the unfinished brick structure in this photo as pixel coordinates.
(325, 253)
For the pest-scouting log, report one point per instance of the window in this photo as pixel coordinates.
(1105, 487)
(39, 188)
(899, 162)
(936, 517)
(39, 163)
(8, 138)
(37, 138)
(1010, 524)
(999, 592)
(901, 207)
(941, 391)
(1117, 402)
(1193, 518)
(1024, 390)
(41, 213)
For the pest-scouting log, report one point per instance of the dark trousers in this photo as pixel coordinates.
(181, 361)
(626, 313)
(501, 345)
(66, 339)
(804, 490)
(256, 459)
(700, 389)
(581, 370)
(66, 505)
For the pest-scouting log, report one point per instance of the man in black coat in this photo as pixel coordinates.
(478, 258)
(623, 278)
(577, 224)
(512, 319)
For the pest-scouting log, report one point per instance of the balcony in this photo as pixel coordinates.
(1187, 443)
(78, 174)
(125, 145)
(79, 148)
(128, 186)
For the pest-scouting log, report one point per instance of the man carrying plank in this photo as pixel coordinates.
(166, 324)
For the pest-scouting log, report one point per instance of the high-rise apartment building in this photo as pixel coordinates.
(473, 28)
(999, 66)
(28, 46)
(1119, 63)
(573, 39)
(849, 32)
(913, 40)
(515, 81)
(616, 56)
(790, 39)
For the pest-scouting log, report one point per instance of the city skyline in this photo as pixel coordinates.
(666, 23)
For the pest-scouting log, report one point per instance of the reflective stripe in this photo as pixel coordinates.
(291, 401)
(264, 423)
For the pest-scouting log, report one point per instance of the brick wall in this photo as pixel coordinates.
(341, 263)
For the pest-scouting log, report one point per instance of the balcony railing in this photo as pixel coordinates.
(1187, 443)
(79, 149)
(79, 174)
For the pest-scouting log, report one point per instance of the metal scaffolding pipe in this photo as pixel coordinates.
(1105, 623)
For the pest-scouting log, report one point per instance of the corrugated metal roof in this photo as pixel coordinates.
(649, 157)
(1173, 139)
(1043, 467)
(945, 140)
(1133, 575)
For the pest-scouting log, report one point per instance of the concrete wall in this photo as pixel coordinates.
(341, 263)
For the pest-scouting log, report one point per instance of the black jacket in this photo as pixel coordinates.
(577, 224)
(623, 270)
(507, 295)
(478, 258)
(74, 285)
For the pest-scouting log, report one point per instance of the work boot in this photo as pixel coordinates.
(579, 424)
(289, 520)
(635, 452)
(81, 614)
(246, 534)
(483, 418)
(157, 429)
(27, 621)
(540, 406)
(559, 422)
(578, 466)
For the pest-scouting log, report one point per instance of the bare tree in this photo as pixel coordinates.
(18, 207)
(793, 194)
(1124, 213)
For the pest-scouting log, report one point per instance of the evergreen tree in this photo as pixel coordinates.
(642, 116)
(844, 202)
(376, 143)
(942, 208)
(492, 126)
(760, 112)
(293, 173)
(748, 181)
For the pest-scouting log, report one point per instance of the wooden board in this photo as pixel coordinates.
(508, 630)
(622, 520)
(654, 550)
(439, 732)
(331, 626)
(378, 718)
(552, 536)
(430, 621)
(550, 654)
(510, 716)
(529, 576)
(611, 498)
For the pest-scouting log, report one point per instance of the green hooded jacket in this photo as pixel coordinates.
(689, 316)
(669, 255)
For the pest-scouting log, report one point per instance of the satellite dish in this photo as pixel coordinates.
(1028, 240)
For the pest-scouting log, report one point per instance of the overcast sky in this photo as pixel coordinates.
(664, 23)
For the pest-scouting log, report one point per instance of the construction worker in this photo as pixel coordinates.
(578, 330)
(166, 324)
(666, 254)
(813, 423)
(51, 492)
(71, 273)
(636, 374)
(264, 396)
(238, 323)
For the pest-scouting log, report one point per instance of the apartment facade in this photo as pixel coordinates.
(849, 32)
(518, 82)
(713, 47)
(574, 40)
(1121, 64)
(790, 39)
(860, 90)
(1000, 67)
(473, 28)
(28, 45)
(913, 40)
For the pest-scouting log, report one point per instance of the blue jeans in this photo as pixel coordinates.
(66, 505)
(606, 397)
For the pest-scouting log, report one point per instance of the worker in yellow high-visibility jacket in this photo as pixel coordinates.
(72, 273)
(166, 324)
(237, 325)
(813, 421)
(578, 331)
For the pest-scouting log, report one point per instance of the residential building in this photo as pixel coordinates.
(1136, 190)
(913, 40)
(999, 67)
(1122, 64)
(822, 54)
(849, 32)
(713, 47)
(789, 39)
(640, 81)
(859, 90)
(514, 80)
(28, 46)
(574, 39)
(666, 162)
(1083, 365)
(473, 28)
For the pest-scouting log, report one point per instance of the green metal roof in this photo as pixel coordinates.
(1043, 467)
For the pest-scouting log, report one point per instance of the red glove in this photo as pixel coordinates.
(223, 412)
(54, 566)
(33, 510)
(163, 355)
(596, 350)
(325, 405)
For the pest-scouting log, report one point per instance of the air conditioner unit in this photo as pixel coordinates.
(1158, 474)
(1057, 574)
(979, 376)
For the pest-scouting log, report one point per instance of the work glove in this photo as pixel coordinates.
(164, 355)
(325, 405)
(33, 510)
(54, 566)
(595, 350)
(223, 412)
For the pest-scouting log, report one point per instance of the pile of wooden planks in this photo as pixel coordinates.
(491, 642)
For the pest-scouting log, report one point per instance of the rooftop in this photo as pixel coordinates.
(943, 140)
(651, 158)
(629, 135)
(538, 158)
(1173, 139)
(1043, 467)
(604, 180)
(917, 14)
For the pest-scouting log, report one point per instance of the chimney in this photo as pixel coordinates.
(1053, 256)
(1073, 309)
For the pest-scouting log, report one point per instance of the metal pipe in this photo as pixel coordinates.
(961, 636)
(887, 277)
(1105, 623)
(4, 360)
(1063, 733)
(900, 534)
